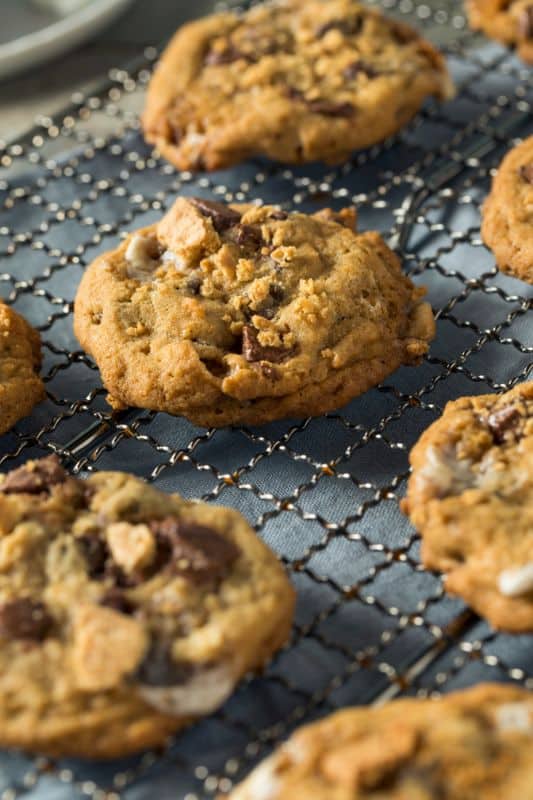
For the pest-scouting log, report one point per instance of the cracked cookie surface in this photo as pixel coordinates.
(20, 358)
(464, 746)
(125, 613)
(242, 315)
(508, 213)
(296, 81)
(508, 21)
(471, 498)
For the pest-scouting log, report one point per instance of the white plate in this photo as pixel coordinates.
(52, 36)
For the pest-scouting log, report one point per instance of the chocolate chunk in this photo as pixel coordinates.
(158, 668)
(194, 285)
(222, 217)
(526, 173)
(503, 420)
(348, 27)
(216, 58)
(252, 350)
(248, 236)
(25, 619)
(35, 479)
(331, 109)
(118, 601)
(196, 552)
(525, 22)
(270, 304)
(96, 554)
(357, 68)
(277, 292)
(278, 215)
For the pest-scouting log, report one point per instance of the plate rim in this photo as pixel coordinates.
(29, 49)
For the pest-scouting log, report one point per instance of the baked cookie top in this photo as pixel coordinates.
(509, 21)
(464, 746)
(296, 81)
(508, 213)
(248, 314)
(20, 358)
(471, 497)
(124, 612)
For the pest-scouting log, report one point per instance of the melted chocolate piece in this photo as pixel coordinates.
(276, 292)
(158, 668)
(331, 109)
(252, 350)
(501, 421)
(248, 236)
(222, 217)
(525, 22)
(195, 551)
(194, 285)
(39, 479)
(25, 619)
(526, 173)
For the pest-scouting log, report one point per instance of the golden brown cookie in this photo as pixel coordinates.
(244, 315)
(508, 21)
(20, 358)
(125, 613)
(508, 213)
(471, 498)
(470, 745)
(296, 81)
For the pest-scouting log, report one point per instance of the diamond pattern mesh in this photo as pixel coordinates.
(371, 623)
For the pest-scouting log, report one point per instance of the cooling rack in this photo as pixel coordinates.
(371, 623)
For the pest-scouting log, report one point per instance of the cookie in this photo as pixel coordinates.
(20, 359)
(242, 315)
(471, 498)
(125, 613)
(296, 81)
(508, 213)
(464, 746)
(507, 21)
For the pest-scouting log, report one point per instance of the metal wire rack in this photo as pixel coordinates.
(371, 623)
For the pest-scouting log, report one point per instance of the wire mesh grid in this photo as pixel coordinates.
(370, 623)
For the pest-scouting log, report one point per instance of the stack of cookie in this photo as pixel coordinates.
(125, 613)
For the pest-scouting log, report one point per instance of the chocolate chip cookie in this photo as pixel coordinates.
(464, 746)
(508, 21)
(296, 81)
(471, 497)
(242, 315)
(20, 358)
(508, 213)
(125, 613)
